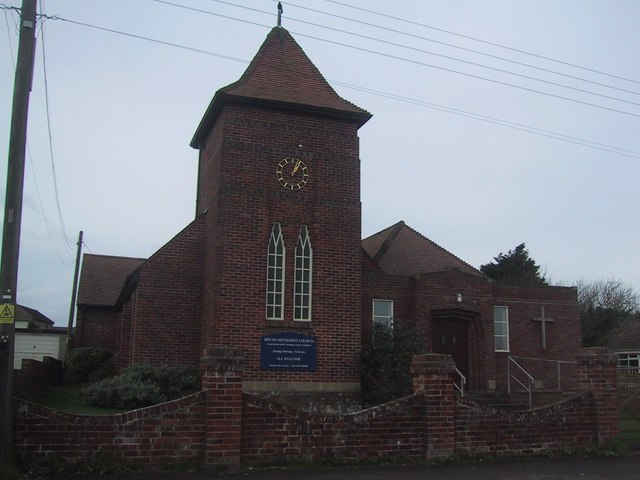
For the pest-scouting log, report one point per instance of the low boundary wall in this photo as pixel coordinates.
(222, 426)
(158, 435)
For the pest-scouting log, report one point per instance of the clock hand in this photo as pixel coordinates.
(296, 167)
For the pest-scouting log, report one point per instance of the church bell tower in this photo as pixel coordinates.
(279, 188)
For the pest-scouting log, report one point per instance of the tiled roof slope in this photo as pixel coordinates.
(27, 314)
(400, 250)
(628, 339)
(103, 277)
(280, 73)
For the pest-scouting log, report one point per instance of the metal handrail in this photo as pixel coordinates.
(531, 381)
(545, 360)
(463, 382)
(557, 362)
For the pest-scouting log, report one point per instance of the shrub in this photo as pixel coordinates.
(143, 385)
(89, 364)
(386, 361)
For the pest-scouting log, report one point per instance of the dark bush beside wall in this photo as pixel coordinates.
(143, 385)
(386, 360)
(89, 364)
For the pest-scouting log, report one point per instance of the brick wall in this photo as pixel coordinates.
(401, 290)
(163, 316)
(596, 374)
(273, 432)
(124, 335)
(423, 297)
(239, 189)
(222, 427)
(587, 419)
(569, 424)
(158, 435)
(431, 423)
(222, 380)
(563, 335)
(96, 327)
(432, 375)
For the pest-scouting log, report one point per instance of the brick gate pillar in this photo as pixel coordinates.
(597, 374)
(222, 373)
(432, 375)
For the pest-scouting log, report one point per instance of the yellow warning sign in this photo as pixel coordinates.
(7, 312)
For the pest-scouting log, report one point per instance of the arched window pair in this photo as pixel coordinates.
(302, 275)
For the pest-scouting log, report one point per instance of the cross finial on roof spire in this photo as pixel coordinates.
(279, 14)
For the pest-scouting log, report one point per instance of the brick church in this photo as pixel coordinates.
(273, 263)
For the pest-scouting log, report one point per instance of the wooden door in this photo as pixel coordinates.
(451, 337)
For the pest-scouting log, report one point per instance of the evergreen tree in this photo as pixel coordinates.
(515, 268)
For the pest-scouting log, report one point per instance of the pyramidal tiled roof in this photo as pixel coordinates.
(400, 250)
(103, 277)
(282, 74)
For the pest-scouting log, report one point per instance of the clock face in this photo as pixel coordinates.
(292, 173)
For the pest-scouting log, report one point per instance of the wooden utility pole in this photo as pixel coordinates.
(13, 219)
(74, 290)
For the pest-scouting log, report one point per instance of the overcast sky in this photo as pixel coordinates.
(495, 123)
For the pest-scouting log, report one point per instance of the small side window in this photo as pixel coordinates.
(501, 328)
(383, 313)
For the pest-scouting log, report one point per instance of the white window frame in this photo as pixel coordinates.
(276, 250)
(625, 359)
(496, 336)
(303, 277)
(386, 320)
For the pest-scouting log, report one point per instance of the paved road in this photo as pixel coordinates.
(527, 469)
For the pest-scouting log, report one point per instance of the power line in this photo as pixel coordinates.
(486, 42)
(470, 75)
(447, 57)
(149, 39)
(458, 47)
(476, 64)
(4, 6)
(50, 137)
(13, 59)
(87, 246)
(499, 122)
(44, 216)
(496, 121)
(417, 62)
(33, 170)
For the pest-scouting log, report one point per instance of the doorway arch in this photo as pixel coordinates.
(458, 332)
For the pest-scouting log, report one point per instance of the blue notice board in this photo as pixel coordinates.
(288, 351)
